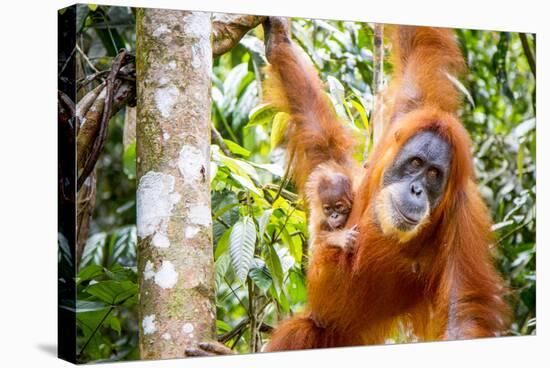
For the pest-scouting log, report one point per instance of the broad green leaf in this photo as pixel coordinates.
(81, 16)
(83, 306)
(93, 7)
(240, 167)
(233, 83)
(222, 265)
(246, 183)
(264, 220)
(213, 171)
(362, 113)
(115, 324)
(261, 115)
(259, 273)
(278, 129)
(274, 169)
(236, 149)
(294, 245)
(274, 265)
(242, 242)
(296, 287)
(112, 292)
(222, 327)
(223, 244)
(89, 272)
(120, 273)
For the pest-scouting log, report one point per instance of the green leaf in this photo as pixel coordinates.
(274, 169)
(241, 246)
(223, 244)
(274, 265)
(296, 287)
(222, 265)
(81, 16)
(233, 83)
(83, 306)
(294, 245)
(222, 327)
(362, 113)
(115, 324)
(120, 273)
(93, 7)
(261, 115)
(264, 220)
(246, 183)
(129, 161)
(213, 171)
(240, 167)
(236, 149)
(280, 123)
(89, 272)
(113, 292)
(259, 273)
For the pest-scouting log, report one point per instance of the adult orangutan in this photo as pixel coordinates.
(421, 257)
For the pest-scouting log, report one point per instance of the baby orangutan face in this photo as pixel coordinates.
(335, 195)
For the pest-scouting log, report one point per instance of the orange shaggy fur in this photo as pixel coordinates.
(441, 283)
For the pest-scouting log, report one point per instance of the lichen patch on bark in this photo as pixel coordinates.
(166, 277)
(191, 163)
(149, 271)
(191, 231)
(148, 324)
(155, 201)
(165, 99)
(199, 215)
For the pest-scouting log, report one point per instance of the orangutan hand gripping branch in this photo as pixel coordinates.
(421, 257)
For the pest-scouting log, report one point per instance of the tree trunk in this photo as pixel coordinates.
(175, 255)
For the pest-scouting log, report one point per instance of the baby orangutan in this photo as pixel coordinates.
(329, 192)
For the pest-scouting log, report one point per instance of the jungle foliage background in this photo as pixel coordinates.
(261, 279)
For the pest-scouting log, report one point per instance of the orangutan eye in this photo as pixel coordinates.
(416, 162)
(433, 173)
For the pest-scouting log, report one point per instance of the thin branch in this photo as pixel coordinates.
(85, 57)
(528, 54)
(286, 177)
(288, 195)
(102, 135)
(228, 29)
(226, 124)
(513, 231)
(217, 137)
(235, 294)
(83, 82)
